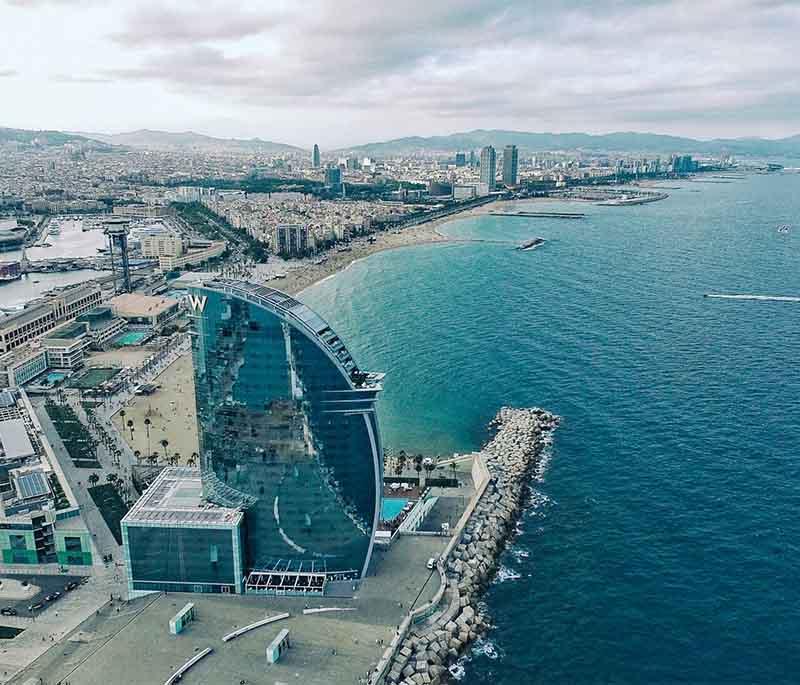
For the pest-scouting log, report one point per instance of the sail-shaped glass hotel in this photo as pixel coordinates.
(288, 430)
(288, 435)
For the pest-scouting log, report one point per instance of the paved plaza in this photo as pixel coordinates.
(130, 642)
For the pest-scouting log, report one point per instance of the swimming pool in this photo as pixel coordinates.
(391, 508)
(131, 338)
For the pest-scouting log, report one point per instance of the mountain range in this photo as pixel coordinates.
(629, 142)
(188, 140)
(610, 142)
(21, 136)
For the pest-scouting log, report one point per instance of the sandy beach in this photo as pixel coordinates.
(302, 277)
(171, 411)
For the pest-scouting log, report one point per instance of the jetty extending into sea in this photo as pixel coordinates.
(433, 637)
(541, 215)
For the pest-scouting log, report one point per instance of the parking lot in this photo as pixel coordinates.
(47, 586)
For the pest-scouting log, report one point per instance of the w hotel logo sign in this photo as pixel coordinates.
(197, 303)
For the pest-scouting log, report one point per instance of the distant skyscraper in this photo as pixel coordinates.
(472, 158)
(488, 168)
(333, 177)
(461, 159)
(510, 160)
(315, 156)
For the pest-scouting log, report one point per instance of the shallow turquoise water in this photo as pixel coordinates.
(663, 542)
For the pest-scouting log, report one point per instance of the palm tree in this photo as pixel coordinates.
(137, 455)
(112, 478)
(94, 479)
(418, 467)
(402, 457)
(147, 428)
(152, 459)
(430, 466)
(165, 444)
(130, 425)
(192, 460)
(454, 469)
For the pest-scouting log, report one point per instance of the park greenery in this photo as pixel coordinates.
(215, 227)
(78, 441)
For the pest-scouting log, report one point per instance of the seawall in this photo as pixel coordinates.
(434, 636)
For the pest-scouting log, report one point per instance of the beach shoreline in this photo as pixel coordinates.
(298, 279)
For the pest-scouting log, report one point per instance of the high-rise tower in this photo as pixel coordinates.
(315, 156)
(488, 168)
(510, 162)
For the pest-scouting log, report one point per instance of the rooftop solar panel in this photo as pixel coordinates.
(32, 484)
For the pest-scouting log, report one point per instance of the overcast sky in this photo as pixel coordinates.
(352, 71)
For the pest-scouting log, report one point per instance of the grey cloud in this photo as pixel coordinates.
(165, 25)
(71, 78)
(8, 73)
(623, 60)
(36, 4)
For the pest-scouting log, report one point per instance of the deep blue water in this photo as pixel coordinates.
(663, 544)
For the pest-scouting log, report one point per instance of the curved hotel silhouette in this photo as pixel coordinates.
(288, 493)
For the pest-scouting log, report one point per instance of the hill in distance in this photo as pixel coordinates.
(188, 140)
(610, 142)
(20, 136)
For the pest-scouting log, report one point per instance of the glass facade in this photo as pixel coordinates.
(182, 559)
(288, 430)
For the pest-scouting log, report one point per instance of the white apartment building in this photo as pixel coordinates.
(162, 244)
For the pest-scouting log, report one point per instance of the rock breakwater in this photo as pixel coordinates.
(442, 632)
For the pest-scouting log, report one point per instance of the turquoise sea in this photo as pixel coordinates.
(662, 544)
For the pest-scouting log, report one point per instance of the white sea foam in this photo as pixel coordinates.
(457, 670)
(486, 648)
(504, 573)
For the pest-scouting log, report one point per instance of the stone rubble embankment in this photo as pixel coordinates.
(510, 457)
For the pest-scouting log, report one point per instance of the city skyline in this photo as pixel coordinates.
(382, 73)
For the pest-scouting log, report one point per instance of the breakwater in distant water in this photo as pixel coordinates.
(434, 636)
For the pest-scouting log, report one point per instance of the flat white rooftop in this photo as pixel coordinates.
(14, 439)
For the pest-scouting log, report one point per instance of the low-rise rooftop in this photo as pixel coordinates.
(14, 440)
(135, 304)
(176, 498)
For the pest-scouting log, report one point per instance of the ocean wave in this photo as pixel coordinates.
(520, 554)
(486, 648)
(457, 669)
(505, 574)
